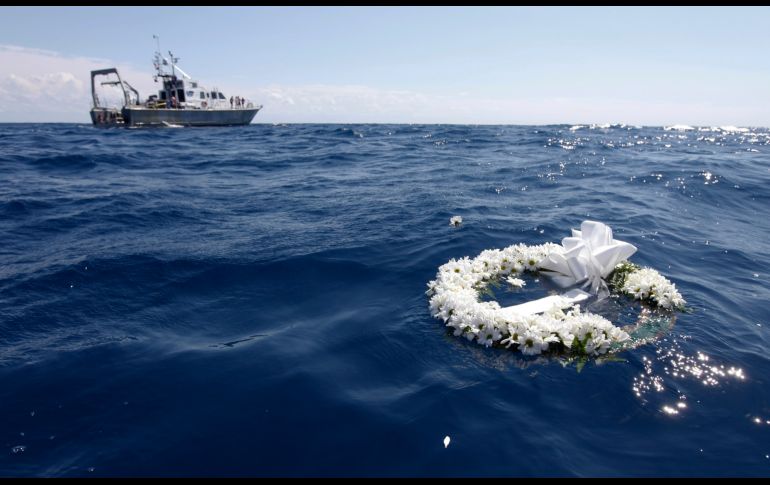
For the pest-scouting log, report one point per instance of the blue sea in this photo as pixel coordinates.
(251, 301)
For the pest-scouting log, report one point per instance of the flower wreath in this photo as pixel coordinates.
(589, 257)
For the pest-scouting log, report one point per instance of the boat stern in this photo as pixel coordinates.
(106, 117)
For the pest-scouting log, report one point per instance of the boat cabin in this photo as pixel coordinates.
(181, 93)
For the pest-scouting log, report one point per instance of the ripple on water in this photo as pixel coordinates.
(241, 301)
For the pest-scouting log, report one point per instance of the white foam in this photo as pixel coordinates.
(733, 129)
(678, 127)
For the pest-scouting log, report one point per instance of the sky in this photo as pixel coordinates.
(653, 66)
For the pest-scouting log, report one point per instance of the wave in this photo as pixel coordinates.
(272, 279)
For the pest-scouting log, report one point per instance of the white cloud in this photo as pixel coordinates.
(339, 103)
(363, 104)
(42, 85)
(54, 85)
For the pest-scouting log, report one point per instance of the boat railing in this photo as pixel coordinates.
(163, 104)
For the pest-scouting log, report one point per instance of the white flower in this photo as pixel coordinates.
(532, 343)
(516, 282)
(648, 283)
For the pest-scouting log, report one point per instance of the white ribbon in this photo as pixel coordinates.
(565, 300)
(589, 256)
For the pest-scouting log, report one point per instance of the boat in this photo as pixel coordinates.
(181, 101)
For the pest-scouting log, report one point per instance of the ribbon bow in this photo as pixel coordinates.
(589, 256)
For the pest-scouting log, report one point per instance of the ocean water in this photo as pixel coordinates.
(251, 301)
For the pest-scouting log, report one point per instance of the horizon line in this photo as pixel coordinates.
(674, 126)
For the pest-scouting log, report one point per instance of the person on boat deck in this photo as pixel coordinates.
(231, 102)
(173, 101)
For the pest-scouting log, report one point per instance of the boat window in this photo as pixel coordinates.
(180, 95)
(190, 94)
(194, 85)
(221, 96)
(203, 95)
(163, 95)
(214, 94)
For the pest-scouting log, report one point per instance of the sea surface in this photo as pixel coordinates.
(251, 301)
